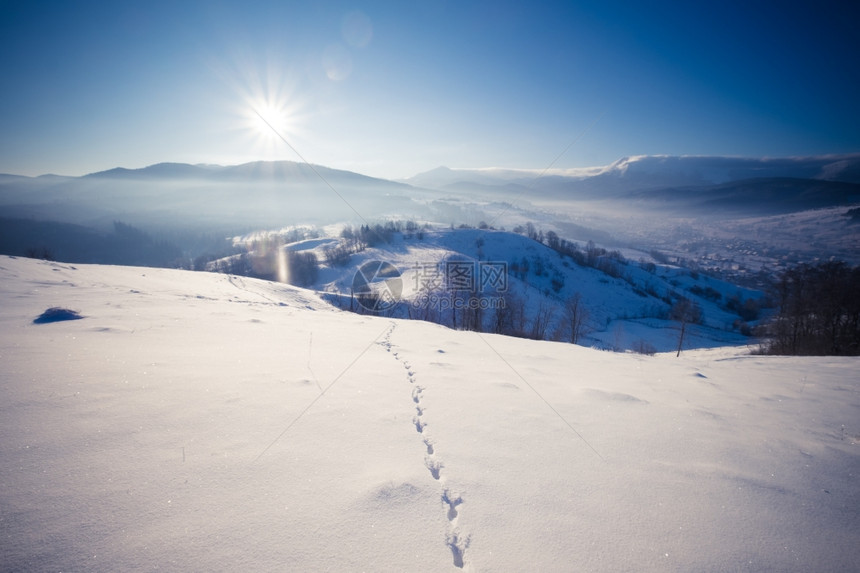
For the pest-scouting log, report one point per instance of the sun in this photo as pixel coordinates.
(269, 120)
(269, 107)
(273, 125)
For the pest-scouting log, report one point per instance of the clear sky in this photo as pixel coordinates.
(391, 89)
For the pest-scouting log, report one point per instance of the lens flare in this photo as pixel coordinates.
(283, 267)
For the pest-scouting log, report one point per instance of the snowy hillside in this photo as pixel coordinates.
(627, 301)
(204, 422)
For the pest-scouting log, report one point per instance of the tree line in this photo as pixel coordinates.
(124, 244)
(818, 311)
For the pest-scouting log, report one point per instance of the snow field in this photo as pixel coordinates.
(205, 422)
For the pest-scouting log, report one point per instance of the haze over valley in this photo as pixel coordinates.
(721, 213)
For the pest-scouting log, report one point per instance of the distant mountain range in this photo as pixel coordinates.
(261, 194)
(264, 194)
(650, 172)
(289, 172)
(724, 184)
(629, 173)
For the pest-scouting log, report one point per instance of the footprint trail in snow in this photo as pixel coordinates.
(454, 538)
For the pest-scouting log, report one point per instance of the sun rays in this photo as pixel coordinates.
(268, 105)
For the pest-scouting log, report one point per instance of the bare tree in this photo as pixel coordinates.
(502, 319)
(576, 317)
(509, 316)
(685, 311)
(542, 319)
(473, 313)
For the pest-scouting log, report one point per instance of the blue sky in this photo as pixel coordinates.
(391, 89)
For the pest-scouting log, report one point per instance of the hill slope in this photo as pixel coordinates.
(627, 302)
(193, 421)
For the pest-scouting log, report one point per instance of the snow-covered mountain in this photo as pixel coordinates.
(196, 421)
(639, 173)
(716, 169)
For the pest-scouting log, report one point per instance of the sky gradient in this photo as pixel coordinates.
(393, 89)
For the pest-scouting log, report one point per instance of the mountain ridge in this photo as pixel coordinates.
(252, 170)
(635, 173)
(708, 168)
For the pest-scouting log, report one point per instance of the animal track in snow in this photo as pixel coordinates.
(454, 539)
(458, 546)
(452, 503)
(419, 425)
(435, 467)
(416, 394)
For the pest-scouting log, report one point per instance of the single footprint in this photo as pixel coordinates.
(458, 547)
(435, 467)
(419, 425)
(452, 503)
